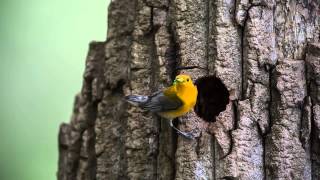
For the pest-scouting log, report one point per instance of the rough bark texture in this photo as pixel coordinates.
(267, 54)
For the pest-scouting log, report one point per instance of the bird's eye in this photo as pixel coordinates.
(188, 79)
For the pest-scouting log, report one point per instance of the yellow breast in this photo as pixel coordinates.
(187, 93)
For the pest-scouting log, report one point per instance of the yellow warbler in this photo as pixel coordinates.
(171, 102)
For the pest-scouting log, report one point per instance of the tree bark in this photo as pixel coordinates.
(267, 55)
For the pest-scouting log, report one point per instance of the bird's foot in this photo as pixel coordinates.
(187, 135)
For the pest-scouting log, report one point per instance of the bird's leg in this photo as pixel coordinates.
(184, 134)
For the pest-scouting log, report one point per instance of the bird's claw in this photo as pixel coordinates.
(187, 135)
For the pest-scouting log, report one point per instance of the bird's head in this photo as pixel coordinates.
(183, 79)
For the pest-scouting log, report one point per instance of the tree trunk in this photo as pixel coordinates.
(267, 55)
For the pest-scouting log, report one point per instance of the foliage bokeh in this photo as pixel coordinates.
(43, 45)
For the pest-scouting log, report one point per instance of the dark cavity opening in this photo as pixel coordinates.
(213, 97)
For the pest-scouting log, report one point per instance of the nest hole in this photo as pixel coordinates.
(213, 97)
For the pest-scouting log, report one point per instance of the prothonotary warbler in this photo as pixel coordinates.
(171, 102)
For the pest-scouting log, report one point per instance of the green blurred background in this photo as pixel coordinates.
(43, 45)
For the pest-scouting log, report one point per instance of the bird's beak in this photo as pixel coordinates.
(178, 80)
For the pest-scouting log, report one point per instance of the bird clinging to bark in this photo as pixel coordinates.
(171, 102)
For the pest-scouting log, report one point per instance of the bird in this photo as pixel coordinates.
(171, 102)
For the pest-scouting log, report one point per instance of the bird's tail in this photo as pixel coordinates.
(136, 99)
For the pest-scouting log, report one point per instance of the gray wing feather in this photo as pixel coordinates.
(158, 102)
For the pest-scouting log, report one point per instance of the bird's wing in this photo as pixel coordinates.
(159, 102)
